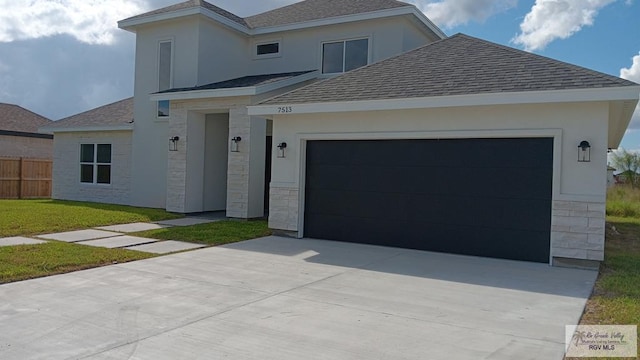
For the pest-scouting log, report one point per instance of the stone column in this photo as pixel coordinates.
(177, 161)
(245, 175)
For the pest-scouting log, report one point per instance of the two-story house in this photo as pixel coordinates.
(359, 120)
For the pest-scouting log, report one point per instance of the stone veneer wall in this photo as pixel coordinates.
(578, 230)
(283, 208)
(238, 168)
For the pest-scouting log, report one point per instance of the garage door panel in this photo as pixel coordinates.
(374, 205)
(487, 197)
(487, 242)
(486, 212)
(369, 231)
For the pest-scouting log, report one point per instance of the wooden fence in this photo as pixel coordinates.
(25, 178)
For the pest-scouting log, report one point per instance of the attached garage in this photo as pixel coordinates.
(461, 146)
(486, 197)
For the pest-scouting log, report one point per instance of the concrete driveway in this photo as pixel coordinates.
(279, 298)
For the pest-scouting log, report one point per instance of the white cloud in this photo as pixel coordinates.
(88, 21)
(633, 74)
(549, 20)
(450, 13)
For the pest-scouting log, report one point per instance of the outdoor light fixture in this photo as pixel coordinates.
(234, 144)
(584, 151)
(281, 147)
(173, 143)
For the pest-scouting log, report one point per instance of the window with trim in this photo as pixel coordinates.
(95, 163)
(266, 49)
(343, 56)
(165, 57)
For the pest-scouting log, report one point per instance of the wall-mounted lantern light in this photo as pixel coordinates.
(584, 151)
(234, 144)
(281, 147)
(173, 143)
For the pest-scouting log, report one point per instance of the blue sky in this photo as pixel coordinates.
(62, 57)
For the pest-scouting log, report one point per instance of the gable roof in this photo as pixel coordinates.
(14, 118)
(303, 13)
(114, 116)
(459, 65)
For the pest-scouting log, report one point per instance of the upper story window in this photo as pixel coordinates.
(165, 73)
(267, 49)
(342, 56)
(95, 163)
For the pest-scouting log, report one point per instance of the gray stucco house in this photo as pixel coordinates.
(361, 121)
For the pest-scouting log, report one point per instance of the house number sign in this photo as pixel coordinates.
(285, 109)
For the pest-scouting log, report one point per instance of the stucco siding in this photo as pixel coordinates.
(578, 184)
(302, 49)
(18, 146)
(66, 167)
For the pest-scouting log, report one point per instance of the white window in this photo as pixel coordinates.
(165, 72)
(95, 163)
(342, 56)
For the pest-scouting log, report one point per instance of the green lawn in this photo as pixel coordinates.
(217, 233)
(32, 217)
(31, 261)
(616, 297)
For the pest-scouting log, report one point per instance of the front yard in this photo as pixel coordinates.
(32, 217)
(29, 218)
(615, 299)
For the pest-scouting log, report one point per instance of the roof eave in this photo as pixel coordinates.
(233, 92)
(132, 23)
(54, 130)
(624, 93)
(406, 10)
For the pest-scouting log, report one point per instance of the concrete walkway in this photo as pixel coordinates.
(288, 299)
(114, 236)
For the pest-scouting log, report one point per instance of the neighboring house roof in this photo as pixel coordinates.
(16, 120)
(459, 65)
(114, 116)
(308, 12)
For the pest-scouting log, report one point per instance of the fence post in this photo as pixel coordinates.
(21, 176)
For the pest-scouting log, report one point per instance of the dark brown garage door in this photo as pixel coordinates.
(485, 197)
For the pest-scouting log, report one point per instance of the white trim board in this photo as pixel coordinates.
(627, 93)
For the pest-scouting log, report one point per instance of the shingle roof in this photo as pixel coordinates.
(246, 81)
(459, 65)
(18, 119)
(192, 4)
(115, 114)
(319, 9)
(307, 10)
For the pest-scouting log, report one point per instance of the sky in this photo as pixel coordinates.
(62, 57)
